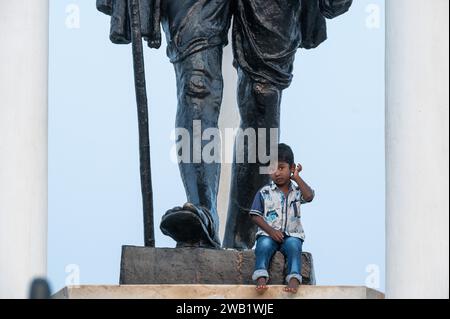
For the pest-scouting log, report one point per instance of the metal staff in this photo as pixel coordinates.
(142, 108)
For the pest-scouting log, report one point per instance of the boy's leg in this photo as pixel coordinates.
(265, 249)
(292, 250)
(200, 84)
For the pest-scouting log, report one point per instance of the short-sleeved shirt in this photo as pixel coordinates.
(279, 212)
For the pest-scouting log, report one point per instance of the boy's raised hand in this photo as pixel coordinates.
(297, 171)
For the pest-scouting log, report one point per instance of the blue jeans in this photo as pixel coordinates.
(291, 248)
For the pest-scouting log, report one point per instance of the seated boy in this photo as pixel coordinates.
(276, 211)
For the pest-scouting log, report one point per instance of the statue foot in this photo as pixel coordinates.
(190, 226)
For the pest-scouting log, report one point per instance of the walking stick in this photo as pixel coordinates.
(142, 108)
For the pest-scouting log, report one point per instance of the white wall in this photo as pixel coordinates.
(23, 144)
(417, 149)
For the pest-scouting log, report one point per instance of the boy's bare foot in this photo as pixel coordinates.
(261, 284)
(292, 286)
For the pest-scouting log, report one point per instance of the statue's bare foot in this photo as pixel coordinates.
(292, 286)
(261, 284)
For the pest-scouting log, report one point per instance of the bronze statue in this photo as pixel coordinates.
(266, 36)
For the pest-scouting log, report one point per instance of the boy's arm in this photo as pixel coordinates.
(257, 216)
(305, 189)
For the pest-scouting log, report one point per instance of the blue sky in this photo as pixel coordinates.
(332, 116)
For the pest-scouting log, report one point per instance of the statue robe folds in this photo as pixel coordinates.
(120, 22)
(311, 16)
(267, 34)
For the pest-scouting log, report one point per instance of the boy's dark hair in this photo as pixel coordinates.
(285, 154)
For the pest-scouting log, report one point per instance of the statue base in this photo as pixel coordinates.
(200, 266)
(198, 273)
(214, 292)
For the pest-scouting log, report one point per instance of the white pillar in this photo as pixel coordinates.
(229, 118)
(417, 137)
(23, 144)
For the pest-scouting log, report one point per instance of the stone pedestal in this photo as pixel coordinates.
(165, 266)
(197, 273)
(214, 292)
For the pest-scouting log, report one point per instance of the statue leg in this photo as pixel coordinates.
(259, 107)
(200, 88)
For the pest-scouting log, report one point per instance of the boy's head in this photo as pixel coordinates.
(285, 165)
(285, 154)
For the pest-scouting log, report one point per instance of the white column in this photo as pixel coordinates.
(417, 137)
(229, 118)
(23, 144)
